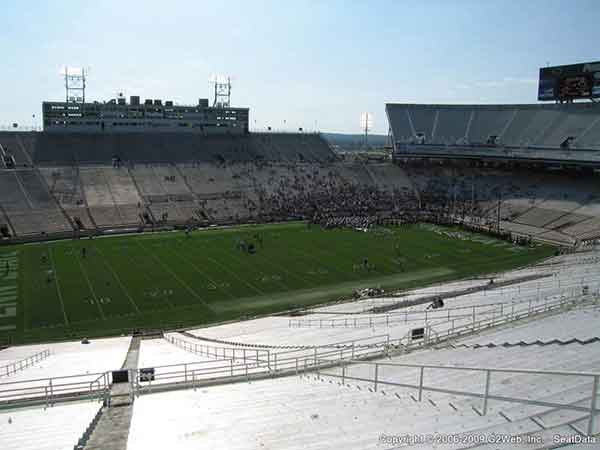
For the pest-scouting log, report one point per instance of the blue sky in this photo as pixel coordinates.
(308, 63)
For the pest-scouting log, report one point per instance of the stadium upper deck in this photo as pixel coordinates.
(554, 133)
(69, 148)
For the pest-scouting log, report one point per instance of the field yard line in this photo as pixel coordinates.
(283, 269)
(104, 260)
(308, 256)
(391, 268)
(237, 258)
(387, 266)
(184, 258)
(328, 292)
(150, 279)
(254, 288)
(174, 275)
(304, 280)
(83, 271)
(58, 291)
(15, 257)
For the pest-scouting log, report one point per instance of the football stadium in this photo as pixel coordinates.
(171, 278)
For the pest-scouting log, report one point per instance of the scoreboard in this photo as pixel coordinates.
(571, 82)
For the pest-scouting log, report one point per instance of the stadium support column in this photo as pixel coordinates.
(366, 124)
(498, 217)
(472, 197)
(454, 198)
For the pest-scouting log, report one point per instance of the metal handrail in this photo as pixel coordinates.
(426, 315)
(395, 312)
(485, 395)
(49, 390)
(23, 363)
(297, 347)
(385, 320)
(32, 380)
(510, 317)
(202, 349)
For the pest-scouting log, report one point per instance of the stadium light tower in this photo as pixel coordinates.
(366, 124)
(75, 78)
(222, 91)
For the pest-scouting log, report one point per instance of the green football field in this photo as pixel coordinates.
(114, 284)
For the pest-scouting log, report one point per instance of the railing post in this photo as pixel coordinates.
(296, 365)
(315, 356)
(352, 349)
(231, 367)
(421, 383)
(137, 387)
(185, 372)
(51, 390)
(376, 376)
(343, 374)
(590, 430)
(132, 378)
(488, 374)
(275, 361)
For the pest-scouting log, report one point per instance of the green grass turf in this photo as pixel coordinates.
(169, 279)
